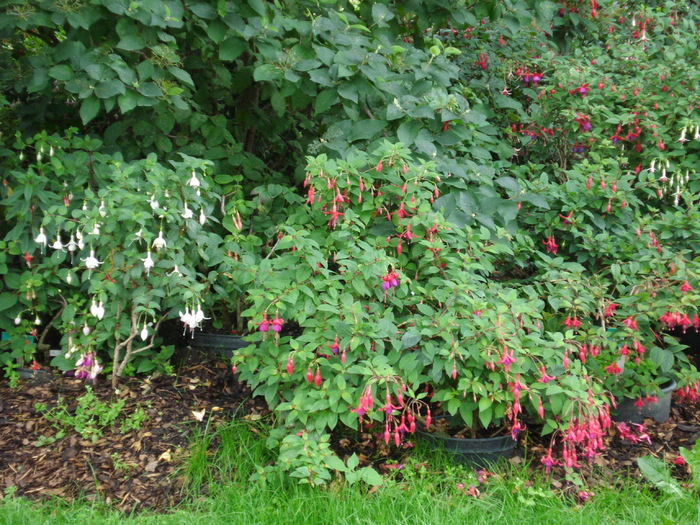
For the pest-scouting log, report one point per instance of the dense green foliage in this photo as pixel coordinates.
(487, 185)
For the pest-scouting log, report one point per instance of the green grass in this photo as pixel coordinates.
(427, 494)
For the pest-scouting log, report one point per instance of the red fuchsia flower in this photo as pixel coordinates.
(572, 322)
(545, 378)
(309, 375)
(613, 369)
(318, 379)
(507, 358)
(680, 461)
(638, 347)
(551, 245)
(335, 214)
(581, 90)
(631, 323)
(624, 350)
(610, 309)
(390, 280)
(567, 219)
(584, 123)
(335, 346)
(483, 61)
(264, 325)
(685, 287)
(548, 461)
(277, 324)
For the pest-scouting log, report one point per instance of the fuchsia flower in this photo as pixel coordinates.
(685, 287)
(572, 322)
(551, 244)
(264, 325)
(544, 377)
(630, 323)
(277, 324)
(613, 369)
(390, 280)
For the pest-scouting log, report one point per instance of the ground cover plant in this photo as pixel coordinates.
(486, 210)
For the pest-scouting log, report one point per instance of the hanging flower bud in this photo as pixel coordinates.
(144, 332)
(290, 365)
(318, 379)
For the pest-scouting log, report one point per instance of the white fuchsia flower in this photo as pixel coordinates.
(91, 261)
(18, 320)
(86, 329)
(153, 202)
(187, 213)
(144, 332)
(159, 243)
(176, 271)
(57, 245)
(194, 181)
(148, 262)
(71, 246)
(199, 315)
(41, 239)
(188, 319)
(202, 218)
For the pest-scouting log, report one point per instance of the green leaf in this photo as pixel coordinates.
(203, 10)
(127, 101)
(61, 72)
(131, 43)
(258, 6)
(325, 100)
(266, 72)
(411, 338)
(89, 109)
(366, 129)
(353, 462)
(231, 48)
(181, 75)
(535, 199)
(658, 473)
(370, 476)
(109, 88)
(7, 300)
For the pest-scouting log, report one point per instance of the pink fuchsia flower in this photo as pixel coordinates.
(613, 369)
(631, 323)
(507, 358)
(551, 245)
(545, 378)
(680, 461)
(572, 322)
(548, 461)
(390, 280)
(277, 323)
(610, 309)
(264, 325)
(335, 346)
(685, 287)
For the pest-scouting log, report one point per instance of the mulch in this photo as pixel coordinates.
(130, 471)
(141, 470)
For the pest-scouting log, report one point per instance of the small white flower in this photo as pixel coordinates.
(199, 315)
(100, 311)
(93, 308)
(176, 271)
(202, 218)
(37, 321)
(652, 168)
(18, 320)
(71, 246)
(41, 239)
(194, 181)
(96, 229)
(58, 245)
(51, 151)
(91, 262)
(187, 213)
(79, 236)
(153, 202)
(148, 263)
(69, 278)
(144, 332)
(188, 319)
(86, 328)
(159, 243)
(697, 132)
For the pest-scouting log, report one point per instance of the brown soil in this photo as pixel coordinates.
(140, 469)
(131, 471)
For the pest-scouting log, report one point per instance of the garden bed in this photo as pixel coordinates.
(142, 470)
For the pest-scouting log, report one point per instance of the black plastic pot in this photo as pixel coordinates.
(480, 452)
(660, 411)
(221, 344)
